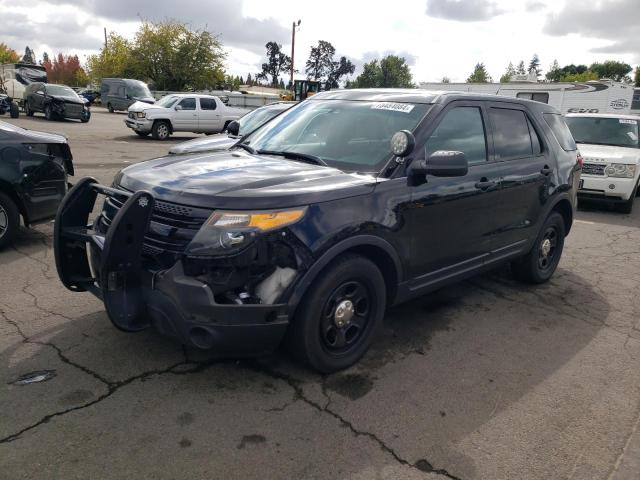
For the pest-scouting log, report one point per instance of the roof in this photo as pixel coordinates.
(199, 95)
(605, 115)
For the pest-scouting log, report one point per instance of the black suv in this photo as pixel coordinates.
(313, 224)
(56, 102)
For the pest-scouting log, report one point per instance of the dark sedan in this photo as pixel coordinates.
(56, 102)
(34, 167)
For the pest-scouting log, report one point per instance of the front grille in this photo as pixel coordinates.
(73, 108)
(171, 229)
(593, 169)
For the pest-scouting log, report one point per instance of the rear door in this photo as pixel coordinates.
(454, 219)
(210, 120)
(527, 168)
(185, 115)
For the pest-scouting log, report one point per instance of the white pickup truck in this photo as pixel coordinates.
(610, 146)
(183, 112)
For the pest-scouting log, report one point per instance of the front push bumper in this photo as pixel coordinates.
(139, 125)
(111, 267)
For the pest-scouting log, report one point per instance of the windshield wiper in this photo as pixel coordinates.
(246, 147)
(304, 157)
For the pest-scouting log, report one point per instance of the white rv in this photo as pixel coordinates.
(14, 77)
(598, 96)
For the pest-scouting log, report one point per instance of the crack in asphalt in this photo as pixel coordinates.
(421, 465)
(623, 452)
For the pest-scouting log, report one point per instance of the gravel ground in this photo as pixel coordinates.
(487, 379)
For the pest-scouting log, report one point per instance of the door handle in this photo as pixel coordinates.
(546, 170)
(485, 184)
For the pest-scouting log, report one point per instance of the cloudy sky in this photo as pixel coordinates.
(437, 37)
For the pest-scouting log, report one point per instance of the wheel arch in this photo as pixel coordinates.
(563, 207)
(376, 249)
(163, 119)
(9, 191)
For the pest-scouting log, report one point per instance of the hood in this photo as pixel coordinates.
(30, 136)
(214, 143)
(609, 154)
(142, 106)
(238, 180)
(147, 100)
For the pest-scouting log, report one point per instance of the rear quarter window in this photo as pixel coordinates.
(560, 131)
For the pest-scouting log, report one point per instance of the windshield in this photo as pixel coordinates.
(138, 89)
(258, 117)
(618, 132)
(345, 134)
(61, 91)
(167, 101)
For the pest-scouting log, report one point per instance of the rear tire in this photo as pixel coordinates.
(161, 130)
(14, 110)
(9, 220)
(335, 323)
(541, 262)
(110, 108)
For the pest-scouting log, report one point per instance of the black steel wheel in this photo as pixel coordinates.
(542, 260)
(335, 323)
(9, 220)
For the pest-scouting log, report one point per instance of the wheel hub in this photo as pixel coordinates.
(546, 247)
(344, 313)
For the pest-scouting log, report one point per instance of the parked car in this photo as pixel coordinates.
(314, 223)
(89, 94)
(611, 150)
(55, 101)
(34, 168)
(7, 105)
(235, 130)
(184, 112)
(121, 93)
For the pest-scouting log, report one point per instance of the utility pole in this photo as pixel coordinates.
(105, 38)
(293, 46)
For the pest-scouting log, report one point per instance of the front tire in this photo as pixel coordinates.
(9, 220)
(161, 130)
(541, 262)
(336, 320)
(48, 113)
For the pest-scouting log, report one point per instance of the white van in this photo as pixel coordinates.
(598, 96)
(610, 147)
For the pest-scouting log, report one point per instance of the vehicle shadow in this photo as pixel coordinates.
(461, 356)
(605, 213)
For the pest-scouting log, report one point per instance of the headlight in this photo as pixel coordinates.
(263, 221)
(140, 114)
(621, 170)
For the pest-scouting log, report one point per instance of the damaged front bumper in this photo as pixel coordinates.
(110, 265)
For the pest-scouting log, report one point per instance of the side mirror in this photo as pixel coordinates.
(177, 108)
(233, 128)
(40, 92)
(442, 163)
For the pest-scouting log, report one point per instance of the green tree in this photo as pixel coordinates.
(554, 74)
(479, 74)
(389, 72)
(29, 56)
(277, 62)
(508, 74)
(8, 55)
(580, 77)
(338, 70)
(114, 60)
(320, 62)
(249, 80)
(612, 69)
(636, 77)
(534, 64)
(521, 70)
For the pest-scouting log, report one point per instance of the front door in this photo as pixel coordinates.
(527, 168)
(453, 219)
(185, 117)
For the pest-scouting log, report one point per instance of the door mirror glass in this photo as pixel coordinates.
(177, 108)
(233, 128)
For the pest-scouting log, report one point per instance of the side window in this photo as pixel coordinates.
(207, 104)
(536, 144)
(542, 97)
(560, 131)
(462, 130)
(188, 104)
(510, 134)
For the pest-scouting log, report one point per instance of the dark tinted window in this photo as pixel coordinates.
(207, 104)
(560, 131)
(510, 133)
(542, 97)
(536, 144)
(188, 104)
(462, 129)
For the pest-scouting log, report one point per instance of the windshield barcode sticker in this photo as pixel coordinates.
(630, 122)
(394, 107)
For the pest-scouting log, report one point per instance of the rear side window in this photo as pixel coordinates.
(542, 97)
(560, 131)
(510, 134)
(462, 130)
(207, 104)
